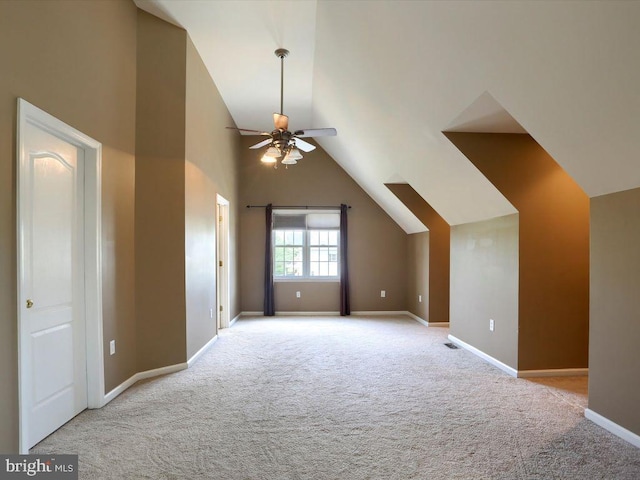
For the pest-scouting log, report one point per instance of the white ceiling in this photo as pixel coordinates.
(392, 75)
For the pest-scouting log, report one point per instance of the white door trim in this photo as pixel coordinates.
(222, 250)
(29, 114)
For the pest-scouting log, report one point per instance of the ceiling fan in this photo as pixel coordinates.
(282, 142)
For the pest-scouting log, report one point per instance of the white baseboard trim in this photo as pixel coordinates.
(418, 319)
(306, 314)
(425, 323)
(613, 427)
(235, 320)
(379, 312)
(354, 312)
(141, 376)
(488, 358)
(199, 353)
(554, 372)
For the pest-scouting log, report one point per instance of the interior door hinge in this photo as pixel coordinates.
(220, 263)
(220, 307)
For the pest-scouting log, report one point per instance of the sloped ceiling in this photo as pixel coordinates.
(392, 75)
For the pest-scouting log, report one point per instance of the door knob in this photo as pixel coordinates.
(29, 303)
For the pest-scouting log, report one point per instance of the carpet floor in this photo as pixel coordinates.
(343, 398)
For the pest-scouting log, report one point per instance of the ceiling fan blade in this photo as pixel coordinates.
(316, 132)
(304, 146)
(280, 121)
(261, 144)
(252, 132)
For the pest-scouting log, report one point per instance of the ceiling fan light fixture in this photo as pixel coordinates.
(273, 152)
(282, 143)
(294, 154)
(288, 161)
(268, 160)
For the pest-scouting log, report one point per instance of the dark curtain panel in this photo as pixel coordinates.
(345, 307)
(269, 302)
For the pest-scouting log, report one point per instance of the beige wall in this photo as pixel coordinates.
(439, 251)
(484, 285)
(377, 245)
(211, 168)
(418, 275)
(160, 193)
(614, 356)
(126, 92)
(553, 307)
(77, 61)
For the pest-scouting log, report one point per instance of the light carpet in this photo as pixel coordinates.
(343, 398)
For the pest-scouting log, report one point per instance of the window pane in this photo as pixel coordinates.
(297, 253)
(278, 269)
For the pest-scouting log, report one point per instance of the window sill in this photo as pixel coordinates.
(307, 280)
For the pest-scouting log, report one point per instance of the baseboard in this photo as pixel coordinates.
(488, 358)
(199, 353)
(379, 312)
(235, 320)
(425, 323)
(554, 372)
(613, 427)
(307, 314)
(325, 313)
(141, 376)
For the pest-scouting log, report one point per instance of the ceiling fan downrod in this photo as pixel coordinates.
(281, 53)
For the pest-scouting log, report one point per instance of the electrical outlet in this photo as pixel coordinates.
(383, 293)
(211, 313)
(112, 347)
(420, 298)
(297, 294)
(491, 324)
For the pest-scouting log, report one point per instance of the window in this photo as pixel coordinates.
(306, 246)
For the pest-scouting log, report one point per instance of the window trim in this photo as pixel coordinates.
(306, 258)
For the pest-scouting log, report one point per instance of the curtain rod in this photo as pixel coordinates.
(301, 207)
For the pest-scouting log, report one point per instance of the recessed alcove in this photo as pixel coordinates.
(546, 242)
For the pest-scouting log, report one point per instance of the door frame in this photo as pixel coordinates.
(222, 252)
(30, 114)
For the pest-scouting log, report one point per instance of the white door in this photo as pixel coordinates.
(52, 296)
(223, 263)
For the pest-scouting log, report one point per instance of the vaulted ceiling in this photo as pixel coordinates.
(391, 76)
